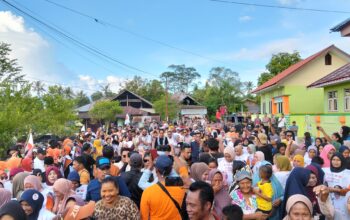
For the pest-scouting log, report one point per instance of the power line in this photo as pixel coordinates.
(106, 23)
(282, 7)
(74, 41)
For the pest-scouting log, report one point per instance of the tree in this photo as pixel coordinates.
(107, 92)
(10, 72)
(68, 93)
(38, 87)
(96, 96)
(278, 63)
(152, 90)
(105, 111)
(180, 78)
(81, 99)
(173, 108)
(249, 85)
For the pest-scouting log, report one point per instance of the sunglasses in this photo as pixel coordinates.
(145, 161)
(124, 156)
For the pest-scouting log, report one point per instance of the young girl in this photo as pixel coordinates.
(264, 190)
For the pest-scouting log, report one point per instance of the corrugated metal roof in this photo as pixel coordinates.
(340, 26)
(337, 76)
(292, 69)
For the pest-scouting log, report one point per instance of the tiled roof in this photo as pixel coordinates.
(292, 69)
(340, 26)
(337, 76)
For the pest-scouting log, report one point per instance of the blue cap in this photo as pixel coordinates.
(103, 162)
(74, 176)
(164, 163)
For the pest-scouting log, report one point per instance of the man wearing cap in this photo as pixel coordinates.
(102, 170)
(133, 176)
(155, 202)
(39, 159)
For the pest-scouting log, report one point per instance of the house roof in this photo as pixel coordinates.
(179, 97)
(125, 90)
(340, 26)
(295, 67)
(337, 76)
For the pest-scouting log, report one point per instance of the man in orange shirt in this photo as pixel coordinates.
(78, 165)
(155, 203)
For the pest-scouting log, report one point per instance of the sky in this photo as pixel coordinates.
(148, 36)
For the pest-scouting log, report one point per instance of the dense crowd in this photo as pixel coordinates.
(198, 170)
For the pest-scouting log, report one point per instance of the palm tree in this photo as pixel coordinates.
(68, 93)
(38, 87)
(249, 85)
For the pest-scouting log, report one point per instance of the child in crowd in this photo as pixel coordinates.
(264, 190)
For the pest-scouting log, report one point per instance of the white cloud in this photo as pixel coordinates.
(33, 52)
(93, 84)
(245, 18)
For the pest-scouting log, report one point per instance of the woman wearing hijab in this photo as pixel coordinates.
(313, 182)
(225, 164)
(263, 146)
(221, 196)
(33, 182)
(12, 210)
(251, 149)
(5, 196)
(236, 166)
(311, 153)
(337, 178)
(345, 151)
(97, 148)
(296, 206)
(199, 171)
(52, 174)
(65, 197)
(283, 167)
(296, 183)
(278, 192)
(18, 185)
(32, 204)
(258, 157)
(326, 155)
(298, 161)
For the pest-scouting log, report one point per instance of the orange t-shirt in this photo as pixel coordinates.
(162, 207)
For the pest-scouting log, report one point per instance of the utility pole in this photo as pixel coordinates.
(166, 98)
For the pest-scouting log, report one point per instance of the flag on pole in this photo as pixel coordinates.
(29, 146)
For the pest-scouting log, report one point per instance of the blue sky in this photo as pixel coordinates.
(242, 38)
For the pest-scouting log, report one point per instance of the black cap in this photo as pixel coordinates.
(41, 151)
(86, 146)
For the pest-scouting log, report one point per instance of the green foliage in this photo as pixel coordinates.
(96, 96)
(278, 63)
(20, 111)
(151, 90)
(105, 110)
(180, 78)
(173, 108)
(81, 99)
(222, 88)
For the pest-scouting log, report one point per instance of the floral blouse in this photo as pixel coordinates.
(238, 199)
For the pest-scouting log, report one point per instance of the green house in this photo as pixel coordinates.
(288, 92)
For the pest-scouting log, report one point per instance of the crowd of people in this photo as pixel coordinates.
(254, 169)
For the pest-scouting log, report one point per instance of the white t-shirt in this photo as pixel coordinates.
(81, 191)
(39, 164)
(242, 157)
(45, 214)
(226, 168)
(282, 177)
(281, 122)
(338, 180)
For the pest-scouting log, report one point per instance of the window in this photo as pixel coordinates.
(346, 99)
(264, 108)
(270, 107)
(332, 101)
(328, 59)
(280, 107)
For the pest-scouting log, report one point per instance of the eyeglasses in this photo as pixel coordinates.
(145, 161)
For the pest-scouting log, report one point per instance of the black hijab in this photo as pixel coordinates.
(13, 209)
(343, 163)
